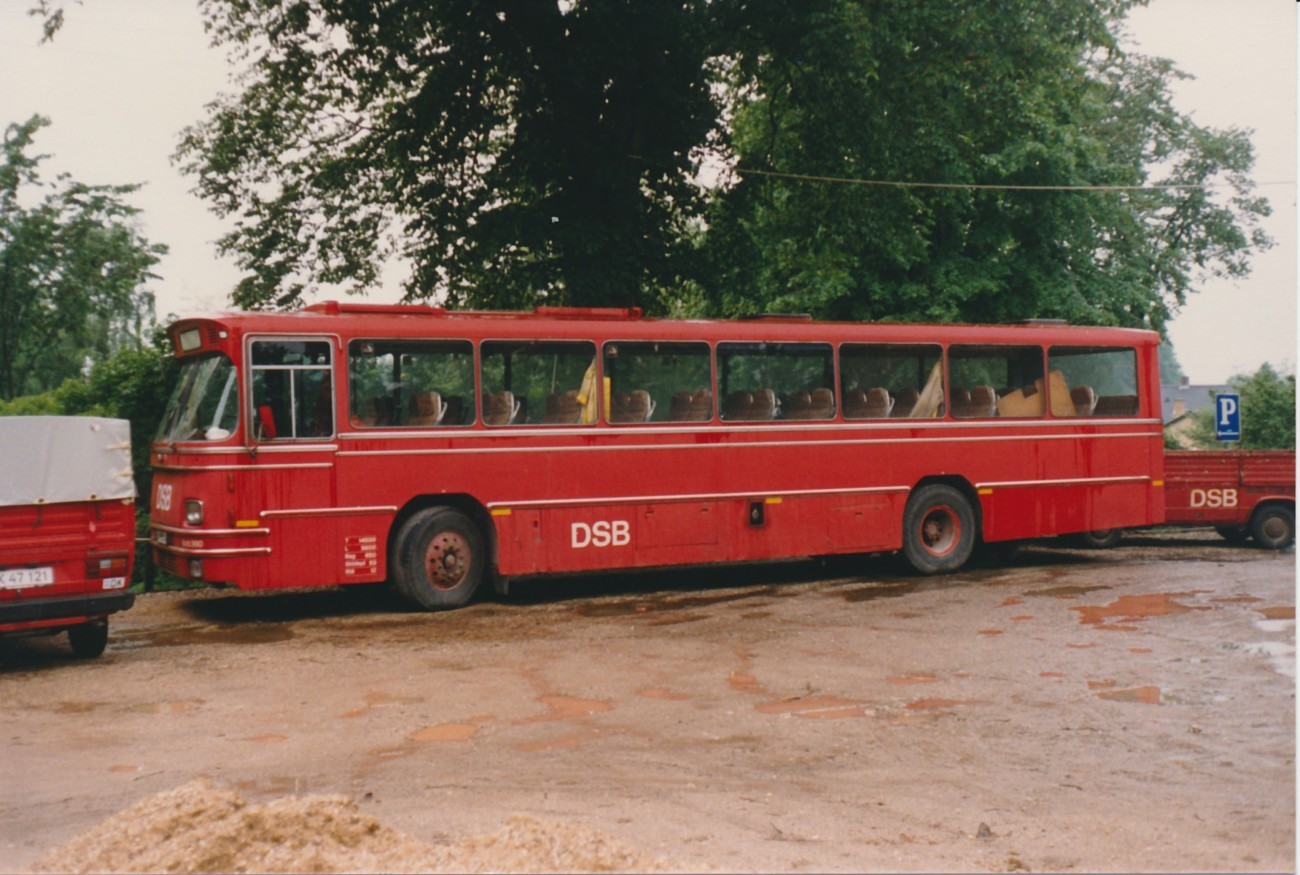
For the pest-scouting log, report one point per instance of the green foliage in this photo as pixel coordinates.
(514, 153)
(72, 271)
(1171, 372)
(510, 151)
(1267, 413)
(980, 100)
(52, 18)
(134, 384)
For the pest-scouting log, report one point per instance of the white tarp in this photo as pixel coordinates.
(47, 459)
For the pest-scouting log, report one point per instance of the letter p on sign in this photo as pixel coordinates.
(1227, 417)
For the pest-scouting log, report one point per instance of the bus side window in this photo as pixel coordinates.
(539, 383)
(982, 369)
(293, 388)
(648, 382)
(410, 383)
(760, 382)
(894, 380)
(1093, 381)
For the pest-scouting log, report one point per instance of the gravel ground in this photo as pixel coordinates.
(1126, 710)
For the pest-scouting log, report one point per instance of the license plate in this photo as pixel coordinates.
(22, 578)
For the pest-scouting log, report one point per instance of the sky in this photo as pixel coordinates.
(123, 78)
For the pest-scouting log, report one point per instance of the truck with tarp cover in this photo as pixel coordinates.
(67, 527)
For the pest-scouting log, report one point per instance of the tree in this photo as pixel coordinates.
(1171, 371)
(1006, 140)
(885, 158)
(508, 150)
(72, 270)
(133, 384)
(1267, 413)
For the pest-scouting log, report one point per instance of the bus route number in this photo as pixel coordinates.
(1214, 498)
(602, 533)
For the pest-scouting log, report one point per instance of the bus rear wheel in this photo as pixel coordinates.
(938, 529)
(1273, 526)
(1100, 539)
(88, 640)
(439, 558)
(1236, 535)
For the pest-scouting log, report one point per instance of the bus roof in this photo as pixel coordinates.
(415, 320)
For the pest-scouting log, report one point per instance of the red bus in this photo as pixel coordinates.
(355, 443)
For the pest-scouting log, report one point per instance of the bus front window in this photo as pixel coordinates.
(205, 403)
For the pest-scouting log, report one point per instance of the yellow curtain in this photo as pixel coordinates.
(587, 394)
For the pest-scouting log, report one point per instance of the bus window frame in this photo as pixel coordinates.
(1135, 374)
(940, 359)
(356, 424)
(334, 341)
(997, 413)
(479, 357)
(720, 396)
(710, 351)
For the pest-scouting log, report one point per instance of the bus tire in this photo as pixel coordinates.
(1273, 526)
(1235, 535)
(440, 558)
(88, 640)
(938, 529)
(1100, 539)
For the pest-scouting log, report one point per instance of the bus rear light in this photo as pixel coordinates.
(193, 512)
(196, 568)
(106, 566)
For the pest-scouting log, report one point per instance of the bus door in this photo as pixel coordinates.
(290, 486)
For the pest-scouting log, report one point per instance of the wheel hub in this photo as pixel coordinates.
(447, 560)
(1274, 529)
(939, 531)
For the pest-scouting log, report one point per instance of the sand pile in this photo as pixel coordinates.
(201, 828)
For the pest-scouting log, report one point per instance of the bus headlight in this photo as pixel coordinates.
(193, 512)
(196, 568)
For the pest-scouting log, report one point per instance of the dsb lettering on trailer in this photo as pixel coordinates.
(438, 449)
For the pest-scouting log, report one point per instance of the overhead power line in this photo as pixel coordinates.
(888, 183)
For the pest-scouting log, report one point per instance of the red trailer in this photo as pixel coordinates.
(1242, 493)
(67, 527)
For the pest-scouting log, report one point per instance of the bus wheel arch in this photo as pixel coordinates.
(1272, 525)
(941, 525)
(440, 550)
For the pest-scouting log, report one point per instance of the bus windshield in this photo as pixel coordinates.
(205, 404)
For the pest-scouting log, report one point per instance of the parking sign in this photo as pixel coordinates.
(1227, 417)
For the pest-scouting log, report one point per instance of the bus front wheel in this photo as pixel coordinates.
(938, 529)
(440, 557)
